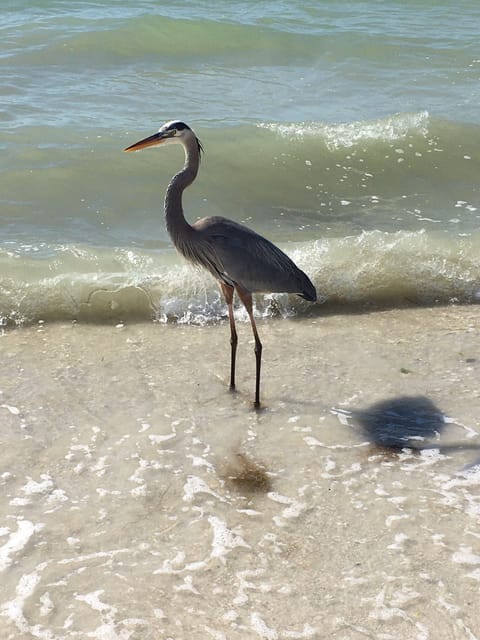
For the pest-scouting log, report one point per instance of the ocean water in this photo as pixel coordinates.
(348, 133)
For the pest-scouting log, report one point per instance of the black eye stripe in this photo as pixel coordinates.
(179, 126)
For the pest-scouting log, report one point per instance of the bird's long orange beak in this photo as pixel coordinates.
(151, 141)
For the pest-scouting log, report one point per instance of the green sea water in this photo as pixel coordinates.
(348, 133)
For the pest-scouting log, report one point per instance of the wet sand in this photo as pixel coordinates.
(141, 499)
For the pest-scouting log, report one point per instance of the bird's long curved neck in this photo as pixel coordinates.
(177, 226)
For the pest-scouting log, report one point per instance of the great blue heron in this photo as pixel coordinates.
(240, 259)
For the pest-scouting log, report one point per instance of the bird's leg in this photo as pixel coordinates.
(246, 298)
(228, 293)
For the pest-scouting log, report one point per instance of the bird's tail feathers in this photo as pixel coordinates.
(309, 292)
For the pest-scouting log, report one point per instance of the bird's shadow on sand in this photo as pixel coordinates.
(413, 422)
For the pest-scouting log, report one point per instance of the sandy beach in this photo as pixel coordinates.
(141, 499)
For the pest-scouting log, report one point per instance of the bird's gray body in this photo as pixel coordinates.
(232, 253)
(239, 258)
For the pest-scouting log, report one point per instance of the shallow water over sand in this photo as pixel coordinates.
(127, 513)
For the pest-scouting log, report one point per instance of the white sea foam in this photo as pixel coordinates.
(14, 609)
(33, 487)
(79, 559)
(260, 627)
(187, 585)
(400, 539)
(307, 632)
(107, 629)
(465, 555)
(11, 409)
(293, 510)
(394, 518)
(348, 134)
(475, 574)
(158, 439)
(172, 565)
(17, 541)
(195, 485)
(47, 604)
(224, 539)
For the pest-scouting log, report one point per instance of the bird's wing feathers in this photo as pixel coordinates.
(247, 259)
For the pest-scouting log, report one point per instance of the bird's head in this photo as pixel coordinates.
(174, 132)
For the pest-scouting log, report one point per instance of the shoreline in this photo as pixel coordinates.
(385, 332)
